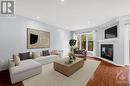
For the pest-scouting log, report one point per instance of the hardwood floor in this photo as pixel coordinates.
(105, 75)
(5, 79)
(110, 75)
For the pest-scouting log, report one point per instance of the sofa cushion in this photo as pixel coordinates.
(24, 56)
(46, 57)
(36, 54)
(45, 52)
(54, 52)
(25, 66)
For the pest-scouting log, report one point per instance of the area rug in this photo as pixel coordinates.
(49, 77)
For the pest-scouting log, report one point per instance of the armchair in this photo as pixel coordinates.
(80, 53)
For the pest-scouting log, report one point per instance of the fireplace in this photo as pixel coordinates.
(107, 51)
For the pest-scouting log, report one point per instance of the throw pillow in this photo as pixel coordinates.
(45, 52)
(16, 59)
(35, 54)
(24, 56)
(11, 63)
(78, 51)
(54, 52)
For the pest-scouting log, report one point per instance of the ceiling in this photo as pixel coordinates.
(72, 14)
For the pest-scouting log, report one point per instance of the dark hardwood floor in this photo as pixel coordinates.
(5, 79)
(105, 75)
(110, 75)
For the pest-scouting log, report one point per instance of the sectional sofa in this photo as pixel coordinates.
(30, 67)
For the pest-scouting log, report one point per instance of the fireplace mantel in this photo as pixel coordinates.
(108, 40)
(114, 49)
(112, 41)
(106, 51)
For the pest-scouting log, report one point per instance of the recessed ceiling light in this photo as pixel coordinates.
(37, 17)
(62, 0)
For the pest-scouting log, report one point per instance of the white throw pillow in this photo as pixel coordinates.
(11, 63)
(36, 54)
(16, 59)
(54, 52)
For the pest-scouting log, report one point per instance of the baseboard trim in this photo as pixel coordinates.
(109, 61)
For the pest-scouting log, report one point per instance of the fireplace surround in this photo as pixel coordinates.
(107, 51)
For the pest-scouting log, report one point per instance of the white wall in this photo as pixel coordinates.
(120, 43)
(13, 37)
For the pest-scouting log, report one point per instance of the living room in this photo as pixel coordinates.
(64, 43)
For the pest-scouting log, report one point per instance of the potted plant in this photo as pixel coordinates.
(72, 43)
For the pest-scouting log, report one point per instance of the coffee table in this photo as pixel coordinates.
(68, 69)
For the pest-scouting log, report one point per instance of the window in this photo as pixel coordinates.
(78, 41)
(90, 42)
(83, 41)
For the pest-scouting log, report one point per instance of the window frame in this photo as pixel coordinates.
(80, 40)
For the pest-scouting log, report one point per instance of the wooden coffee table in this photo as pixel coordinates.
(68, 69)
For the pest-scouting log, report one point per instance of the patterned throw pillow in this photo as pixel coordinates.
(78, 51)
(45, 52)
(24, 56)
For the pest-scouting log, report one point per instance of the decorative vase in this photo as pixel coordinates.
(70, 59)
(71, 56)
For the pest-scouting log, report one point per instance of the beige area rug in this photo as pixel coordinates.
(49, 77)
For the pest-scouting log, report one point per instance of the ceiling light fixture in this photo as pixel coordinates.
(37, 17)
(62, 0)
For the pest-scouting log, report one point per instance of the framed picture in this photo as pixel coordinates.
(37, 39)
